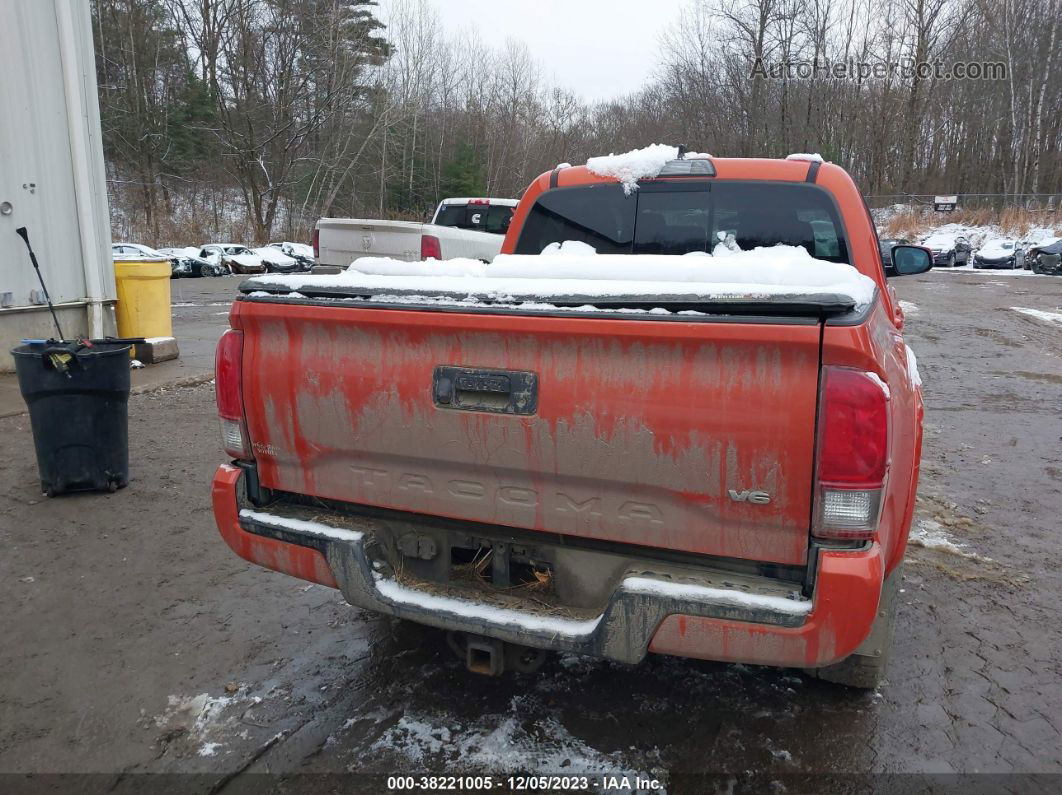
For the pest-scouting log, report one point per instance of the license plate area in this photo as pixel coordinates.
(477, 389)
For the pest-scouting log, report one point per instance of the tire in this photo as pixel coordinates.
(862, 670)
(951, 260)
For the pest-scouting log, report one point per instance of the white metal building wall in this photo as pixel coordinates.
(52, 177)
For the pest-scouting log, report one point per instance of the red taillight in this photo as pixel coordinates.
(228, 388)
(854, 424)
(479, 201)
(316, 243)
(430, 247)
(853, 453)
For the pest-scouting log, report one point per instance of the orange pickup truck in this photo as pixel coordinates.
(725, 474)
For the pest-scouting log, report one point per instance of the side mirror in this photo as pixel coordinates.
(909, 260)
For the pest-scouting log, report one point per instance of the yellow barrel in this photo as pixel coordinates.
(143, 297)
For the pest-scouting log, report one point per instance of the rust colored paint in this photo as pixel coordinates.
(301, 562)
(642, 428)
(846, 601)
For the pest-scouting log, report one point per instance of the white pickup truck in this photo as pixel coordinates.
(471, 228)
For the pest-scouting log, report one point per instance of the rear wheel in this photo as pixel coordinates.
(866, 668)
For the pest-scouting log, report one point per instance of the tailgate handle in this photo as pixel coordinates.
(475, 389)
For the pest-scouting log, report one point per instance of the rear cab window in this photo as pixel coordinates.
(493, 218)
(679, 217)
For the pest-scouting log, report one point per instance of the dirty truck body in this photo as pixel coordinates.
(729, 486)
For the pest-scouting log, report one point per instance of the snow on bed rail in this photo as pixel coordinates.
(634, 165)
(570, 273)
(811, 158)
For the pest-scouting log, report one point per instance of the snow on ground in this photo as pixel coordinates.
(503, 743)
(968, 269)
(204, 719)
(882, 215)
(573, 271)
(1054, 318)
(634, 165)
(930, 534)
(909, 308)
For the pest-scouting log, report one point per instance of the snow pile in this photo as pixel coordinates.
(571, 273)
(634, 165)
(696, 156)
(811, 158)
(1054, 318)
(569, 247)
(882, 215)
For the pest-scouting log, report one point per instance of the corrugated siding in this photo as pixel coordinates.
(37, 169)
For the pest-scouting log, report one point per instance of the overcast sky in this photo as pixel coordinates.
(597, 48)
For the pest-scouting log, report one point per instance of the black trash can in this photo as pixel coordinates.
(80, 417)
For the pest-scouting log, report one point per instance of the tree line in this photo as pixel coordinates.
(259, 116)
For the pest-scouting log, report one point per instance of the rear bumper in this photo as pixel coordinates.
(646, 612)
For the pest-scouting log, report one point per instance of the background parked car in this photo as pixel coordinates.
(235, 258)
(276, 261)
(139, 250)
(885, 248)
(948, 249)
(187, 262)
(1000, 252)
(302, 253)
(1046, 258)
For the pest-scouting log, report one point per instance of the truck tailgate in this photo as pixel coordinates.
(343, 240)
(695, 436)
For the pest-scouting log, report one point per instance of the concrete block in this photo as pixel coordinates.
(157, 349)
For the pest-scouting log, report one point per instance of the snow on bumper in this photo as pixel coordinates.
(644, 613)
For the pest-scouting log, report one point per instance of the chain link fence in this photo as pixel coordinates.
(1047, 202)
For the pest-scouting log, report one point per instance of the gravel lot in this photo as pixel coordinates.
(136, 642)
